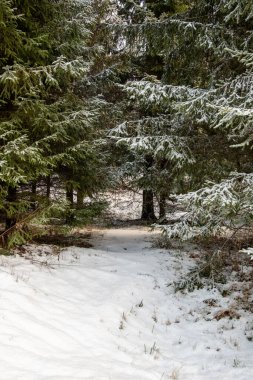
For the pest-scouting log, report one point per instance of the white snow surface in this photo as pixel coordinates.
(124, 204)
(107, 313)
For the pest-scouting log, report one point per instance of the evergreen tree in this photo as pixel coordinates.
(199, 48)
(143, 136)
(47, 124)
(225, 108)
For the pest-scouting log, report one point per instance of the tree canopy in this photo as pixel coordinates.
(154, 93)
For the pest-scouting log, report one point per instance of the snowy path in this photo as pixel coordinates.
(107, 314)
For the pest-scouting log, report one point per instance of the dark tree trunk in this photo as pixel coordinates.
(33, 195)
(148, 212)
(70, 194)
(48, 184)
(164, 164)
(70, 199)
(80, 196)
(11, 220)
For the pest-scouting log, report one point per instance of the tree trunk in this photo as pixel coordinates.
(70, 199)
(80, 196)
(11, 220)
(33, 195)
(70, 194)
(148, 212)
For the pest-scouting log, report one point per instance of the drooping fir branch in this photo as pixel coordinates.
(171, 34)
(237, 11)
(48, 123)
(214, 207)
(158, 136)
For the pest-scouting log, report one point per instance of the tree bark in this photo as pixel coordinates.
(70, 194)
(80, 196)
(33, 195)
(70, 199)
(148, 212)
(11, 220)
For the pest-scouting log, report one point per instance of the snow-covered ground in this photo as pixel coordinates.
(124, 204)
(107, 313)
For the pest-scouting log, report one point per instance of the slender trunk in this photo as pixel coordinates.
(164, 165)
(11, 220)
(80, 196)
(48, 184)
(148, 212)
(33, 195)
(70, 199)
(70, 194)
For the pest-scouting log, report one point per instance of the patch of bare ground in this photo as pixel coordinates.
(75, 239)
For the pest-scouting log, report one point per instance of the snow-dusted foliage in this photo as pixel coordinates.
(168, 34)
(209, 115)
(157, 140)
(158, 136)
(228, 204)
(158, 96)
(227, 108)
(49, 126)
(237, 10)
(38, 103)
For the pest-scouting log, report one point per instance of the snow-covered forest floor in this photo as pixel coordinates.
(107, 313)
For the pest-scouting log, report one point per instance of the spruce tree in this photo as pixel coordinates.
(205, 54)
(143, 136)
(48, 125)
(223, 108)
